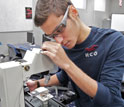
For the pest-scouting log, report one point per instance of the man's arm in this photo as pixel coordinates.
(33, 84)
(53, 81)
(59, 57)
(83, 81)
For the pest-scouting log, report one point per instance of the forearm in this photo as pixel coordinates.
(53, 81)
(83, 81)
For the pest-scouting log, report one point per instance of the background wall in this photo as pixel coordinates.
(13, 23)
(88, 16)
(114, 7)
(37, 31)
(99, 18)
(91, 17)
(12, 38)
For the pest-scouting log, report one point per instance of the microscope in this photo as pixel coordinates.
(14, 74)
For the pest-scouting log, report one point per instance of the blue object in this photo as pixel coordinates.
(0, 43)
(20, 49)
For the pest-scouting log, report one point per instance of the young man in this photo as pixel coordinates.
(91, 58)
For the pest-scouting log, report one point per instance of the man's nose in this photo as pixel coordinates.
(59, 39)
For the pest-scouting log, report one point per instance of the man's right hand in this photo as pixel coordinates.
(32, 85)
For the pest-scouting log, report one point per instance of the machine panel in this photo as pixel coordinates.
(16, 15)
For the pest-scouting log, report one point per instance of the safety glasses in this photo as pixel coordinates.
(59, 29)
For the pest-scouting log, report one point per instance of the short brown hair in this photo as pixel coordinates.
(45, 7)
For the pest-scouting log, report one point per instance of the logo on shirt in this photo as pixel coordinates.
(91, 51)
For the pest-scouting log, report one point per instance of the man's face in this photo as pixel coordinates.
(61, 29)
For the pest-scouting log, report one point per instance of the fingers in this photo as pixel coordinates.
(55, 52)
(49, 54)
(31, 85)
(50, 46)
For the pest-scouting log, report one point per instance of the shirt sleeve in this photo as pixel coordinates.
(109, 85)
(62, 77)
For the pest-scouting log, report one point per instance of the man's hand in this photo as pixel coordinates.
(56, 53)
(32, 85)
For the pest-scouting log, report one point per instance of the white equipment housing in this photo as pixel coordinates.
(13, 74)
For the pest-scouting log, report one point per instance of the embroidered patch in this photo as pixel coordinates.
(91, 54)
(91, 51)
(92, 48)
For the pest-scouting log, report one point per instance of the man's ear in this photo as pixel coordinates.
(73, 12)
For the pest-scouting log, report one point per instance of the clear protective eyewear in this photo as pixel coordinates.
(59, 29)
